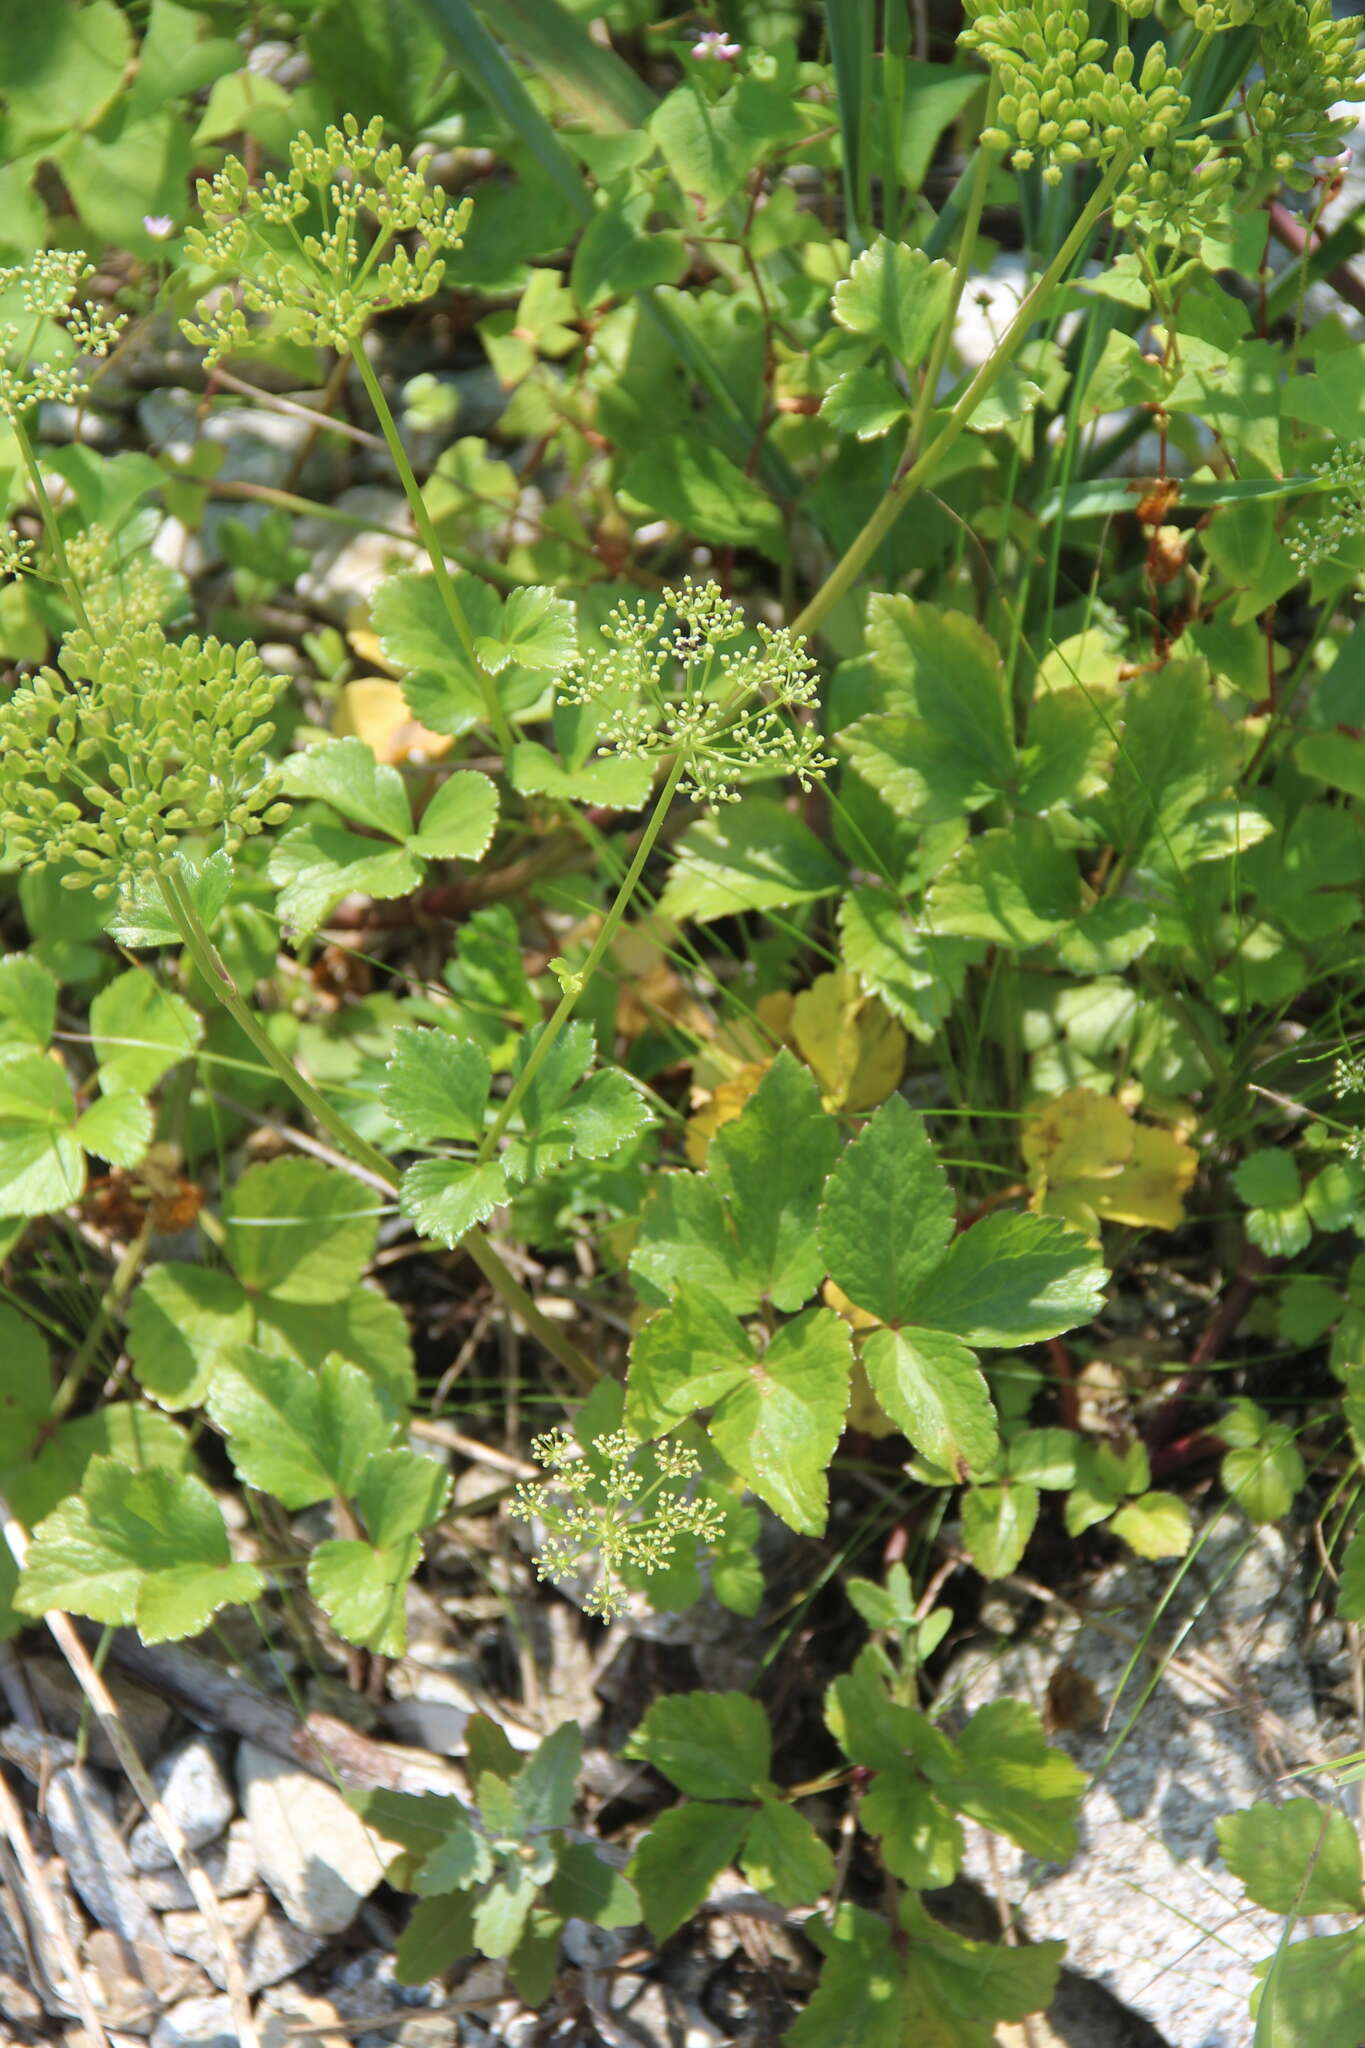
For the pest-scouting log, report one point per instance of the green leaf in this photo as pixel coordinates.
(784, 1857)
(458, 822)
(436, 1086)
(445, 1197)
(439, 1934)
(460, 1859)
(861, 1994)
(865, 403)
(440, 682)
(921, 1841)
(1314, 1993)
(685, 478)
(710, 145)
(679, 1859)
(1177, 751)
(752, 855)
(930, 1385)
(619, 254)
(686, 1236)
(117, 1127)
(769, 1165)
(501, 1913)
(618, 783)
(1013, 886)
(1155, 1525)
(586, 1887)
(1013, 1280)
(42, 1167)
(299, 1435)
(148, 1548)
(1265, 1478)
(545, 1784)
(140, 1031)
(918, 975)
(897, 296)
(346, 775)
(888, 1213)
(315, 865)
(1010, 1779)
(1268, 1179)
(142, 918)
(362, 1589)
(400, 1493)
(537, 630)
(1297, 1858)
(28, 1001)
(299, 1231)
(969, 1986)
(184, 1322)
(419, 1821)
(779, 1424)
(63, 68)
(997, 1522)
(710, 1745)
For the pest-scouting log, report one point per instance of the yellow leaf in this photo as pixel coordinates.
(856, 1318)
(864, 1409)
(375, 710)
(1079, 1136)
(367, 645)
(1090, 1162)
(850, 1042)
(1153, 1188)
(722, 1106)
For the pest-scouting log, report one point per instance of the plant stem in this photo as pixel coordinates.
(48, 514)
(431, 540)
(917, 473)
(509, 1290)
(610, 925)
(966, 248)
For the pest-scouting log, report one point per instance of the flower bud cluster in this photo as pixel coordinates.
(136, 741)
(44, 288)
(1309, 543)
(603, 1504)
(120, 589)
(316, 249)
(673, 680)
(1311, 62)
(1064, 98)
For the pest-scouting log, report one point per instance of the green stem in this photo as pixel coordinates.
(509, 1290)
(48, 514)
(431, 541)
(113, 1298)
(564, 1009)
(920, 471)
(966, 248)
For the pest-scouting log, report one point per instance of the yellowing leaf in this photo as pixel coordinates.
(722, 1106)
(865, 1411)
(849, 1040)
(375, 710)
(1090, 1162)
(856, 1318)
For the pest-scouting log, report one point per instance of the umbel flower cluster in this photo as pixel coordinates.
(134, 742)
(317, 248)
(1311, 542)
(46, 343)
(600, 1503)
(688, 677)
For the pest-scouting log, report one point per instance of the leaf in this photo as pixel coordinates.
(142, 918)
(299, 1435)
(1013, 1280)
(769, 1166)
(1089, 1161)
(752, 855)
(930, 1385)
(944, 743)
(686, 1235)
(1009, 1778)
(897, 296)
(1013, 886)
(436, 1086)
(140, 1031)
(783, 1857)
(997, 1522)
(417, 639)
(710, 1745)
(62, 69)
(1268, 1179)
(970, 1985)
(501, 1912)
(458, 822)
(299, 1231)
(617, 782)
(148, 1548)
(918, 975)
(861, 1994)
(28, 1001)
(460, 1859)
(1297, 1858)
(42, 1167)
(1265, 1478)
(183, 1323)
(137, 1437)
(1314, 1993)
(346, 775)
(888, 1213)
(921, 1841)
(684, 1852)
(865, 403)
(445, 1197)
(400, 1493)
(1155, 1525)
(117, 1127)
(439, 1934)
(618, 253)
(849, 1040)
(710, 145)
(315, 865)
(536, 629)
(586, 1887)
(779, 1425)
(686, 479)
(362, 1588)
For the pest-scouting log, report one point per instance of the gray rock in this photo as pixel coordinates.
(197, 2023)
(345, 568)
(270, 1947)
(229, 1865)
(315, 1854)
(62, 1705)
(80, 1816)
(1146, 1907)
(195, 1792)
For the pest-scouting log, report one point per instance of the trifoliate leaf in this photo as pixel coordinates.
(146, 1548)
(592, 1122)
(458, 822)
(887, 1214)
(783, 1856)
(679, 1859)
(930, 1385)
(997, 1522)
(436, 1086)
(298, 1230)
(710, 1745)
(752, 855)
(140, 1030)
(346, 775)
(1013, 1280)
(536, 630)
(362, 1588)
(1297, 1858)
(1155, 1525)
(896, 295)
(299, 1435)
(447, 1197)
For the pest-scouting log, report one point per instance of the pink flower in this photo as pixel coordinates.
(714, 45)
(159, 226)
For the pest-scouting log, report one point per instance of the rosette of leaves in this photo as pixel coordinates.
(297, 1237)
(137, 740)
(319, 248)
(364, 841)
(777, 1211)
(501, 1876)
(438, 1090)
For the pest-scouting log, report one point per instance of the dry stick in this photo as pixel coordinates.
(38, 1893)
(111, 1721)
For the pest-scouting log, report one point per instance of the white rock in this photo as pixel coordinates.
(317, 1856)
(195, 1792)
(270, 1947)
(229, 1865)
(346, 567)
(197, 2023)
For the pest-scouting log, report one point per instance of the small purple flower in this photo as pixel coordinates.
(159, 226)
(715, 46)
